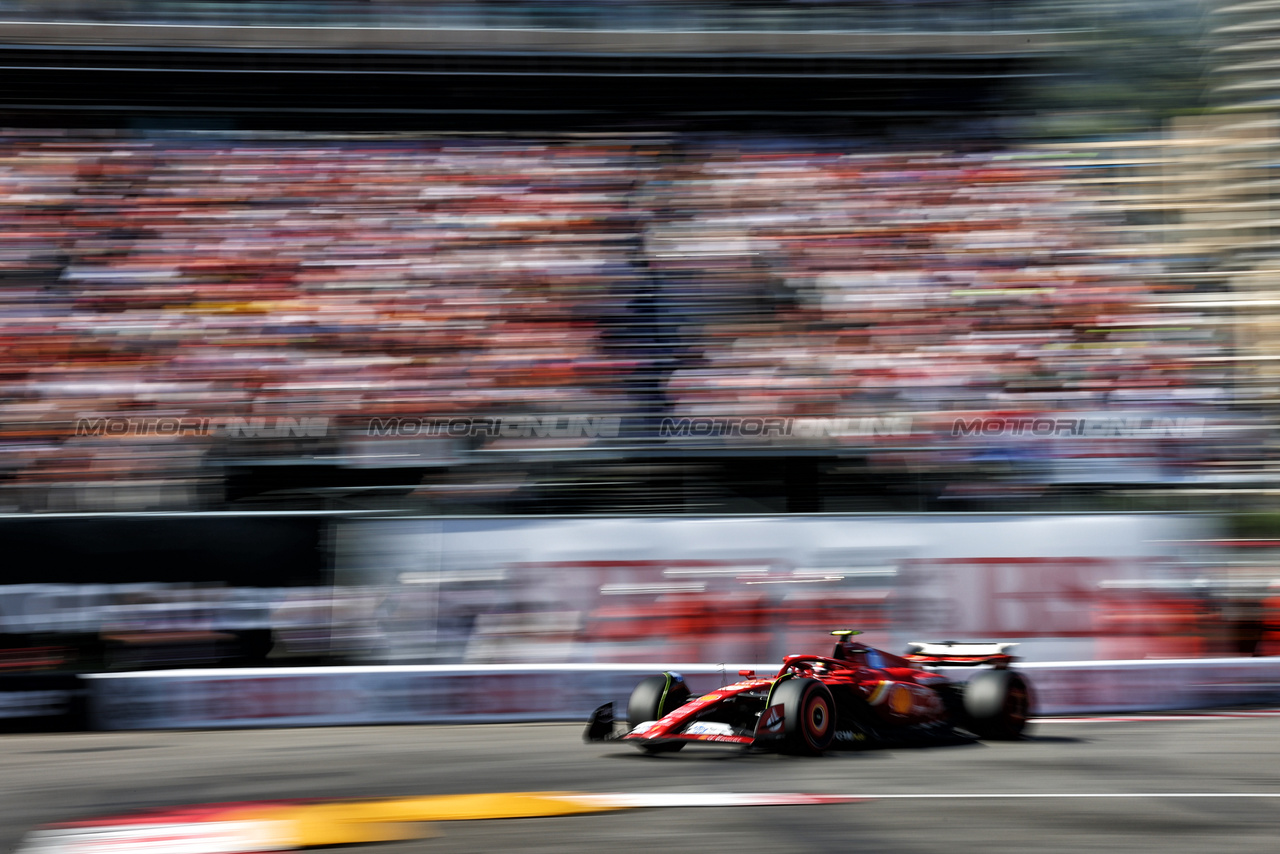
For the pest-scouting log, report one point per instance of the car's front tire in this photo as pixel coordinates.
(809, 712)
(654, 698)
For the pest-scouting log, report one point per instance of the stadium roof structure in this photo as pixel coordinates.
(94, 73)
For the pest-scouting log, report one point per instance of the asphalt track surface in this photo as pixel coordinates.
(1208, 784)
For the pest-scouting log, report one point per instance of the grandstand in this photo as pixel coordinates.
(771, 259)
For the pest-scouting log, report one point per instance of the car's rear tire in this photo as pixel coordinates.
(654, 698)
(997, 705)
(809, 712)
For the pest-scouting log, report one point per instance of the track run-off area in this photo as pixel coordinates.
(1191, 782)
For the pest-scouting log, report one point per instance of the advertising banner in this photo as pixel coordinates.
(604, 589)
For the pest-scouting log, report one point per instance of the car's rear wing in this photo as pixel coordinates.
(960, 653)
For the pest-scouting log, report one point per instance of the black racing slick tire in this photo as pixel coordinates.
(653, 698)
(997, 705)
(810, 714)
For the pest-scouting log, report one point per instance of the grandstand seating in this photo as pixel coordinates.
(216, 276)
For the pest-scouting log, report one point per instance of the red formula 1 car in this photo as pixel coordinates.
(856, 697)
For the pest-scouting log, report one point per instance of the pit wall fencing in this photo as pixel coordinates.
(347, 696)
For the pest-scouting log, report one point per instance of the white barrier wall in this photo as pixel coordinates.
(341, 696)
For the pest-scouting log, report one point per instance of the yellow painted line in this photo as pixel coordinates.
(357, 822)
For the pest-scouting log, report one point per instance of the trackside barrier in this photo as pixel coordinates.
(341, 696)
(1073, 687)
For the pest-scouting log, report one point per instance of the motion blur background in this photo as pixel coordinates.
(520, 330)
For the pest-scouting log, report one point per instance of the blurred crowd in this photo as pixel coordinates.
(217, 277)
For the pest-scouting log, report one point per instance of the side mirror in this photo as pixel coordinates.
(747, 673)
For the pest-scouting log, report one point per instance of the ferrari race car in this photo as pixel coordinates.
(856, 697)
